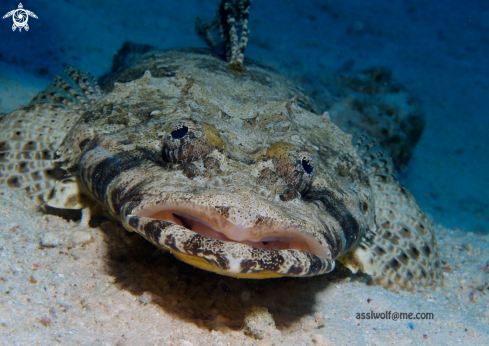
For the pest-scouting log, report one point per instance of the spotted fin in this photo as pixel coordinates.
(402, 253)
(30, 136)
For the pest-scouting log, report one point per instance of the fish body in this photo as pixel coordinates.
(230, 170)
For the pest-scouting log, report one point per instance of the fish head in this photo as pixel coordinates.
(232, 172)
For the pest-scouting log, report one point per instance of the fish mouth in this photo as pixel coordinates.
(210, 222)
(230, 241)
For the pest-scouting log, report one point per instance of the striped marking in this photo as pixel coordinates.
(337, 209)
(97, 177)
(99, 170)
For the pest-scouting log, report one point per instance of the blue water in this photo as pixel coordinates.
(437, 49)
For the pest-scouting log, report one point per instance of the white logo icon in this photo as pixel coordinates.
(20, 17)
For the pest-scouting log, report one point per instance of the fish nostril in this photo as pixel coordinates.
(180, 133)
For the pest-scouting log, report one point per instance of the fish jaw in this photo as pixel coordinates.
(165, 226)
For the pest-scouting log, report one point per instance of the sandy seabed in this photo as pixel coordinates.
(70, 284)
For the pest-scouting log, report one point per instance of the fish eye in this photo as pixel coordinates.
(306, 163)
(292, 165)
(306, 166)
(180, 133)
(187, 141)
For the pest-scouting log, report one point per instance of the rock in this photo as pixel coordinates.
(259, 323)
(478, 280)
(51, 239)
(80, 238)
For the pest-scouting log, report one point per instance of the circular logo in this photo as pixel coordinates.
(20, 17)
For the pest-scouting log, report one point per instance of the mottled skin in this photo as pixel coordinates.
(250, 127)
(182, 137)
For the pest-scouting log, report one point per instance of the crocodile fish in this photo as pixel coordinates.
(227, 168)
